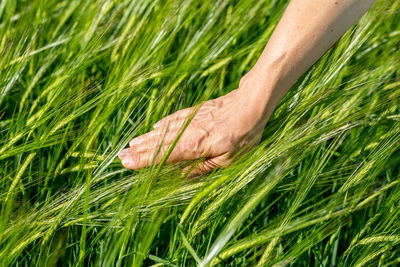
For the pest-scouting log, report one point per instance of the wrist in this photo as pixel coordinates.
(261, 91)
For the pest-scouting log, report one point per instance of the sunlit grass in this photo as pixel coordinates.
(79, 79)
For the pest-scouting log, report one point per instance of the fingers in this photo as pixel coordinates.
(134, 161)
(144, 154)
(152, 147)
(126, 159)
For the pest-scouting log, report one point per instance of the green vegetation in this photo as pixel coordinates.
(79, 79)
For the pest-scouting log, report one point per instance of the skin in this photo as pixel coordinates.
(222, 128)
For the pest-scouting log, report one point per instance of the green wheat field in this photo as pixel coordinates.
(80, 78)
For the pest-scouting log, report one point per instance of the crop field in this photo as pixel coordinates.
(80, 78)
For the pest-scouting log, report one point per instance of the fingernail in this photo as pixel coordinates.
(126, 161)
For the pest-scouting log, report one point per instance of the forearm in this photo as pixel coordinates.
(307, 29)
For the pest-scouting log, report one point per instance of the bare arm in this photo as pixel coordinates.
(234, 123)
(306, 31)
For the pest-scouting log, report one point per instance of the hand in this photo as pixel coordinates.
(220, 129)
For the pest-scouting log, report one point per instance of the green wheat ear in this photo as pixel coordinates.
(80, 79)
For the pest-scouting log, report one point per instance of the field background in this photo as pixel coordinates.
(79, 79)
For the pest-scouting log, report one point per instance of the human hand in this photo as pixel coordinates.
(220, 129)
(233, 123)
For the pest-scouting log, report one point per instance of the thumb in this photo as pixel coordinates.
(205, 166)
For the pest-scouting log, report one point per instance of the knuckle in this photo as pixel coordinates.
(213, 105)
(211, 116)
(197, 142)
(131, 151)
(194, 123)
(140, 149)
(191, 143)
